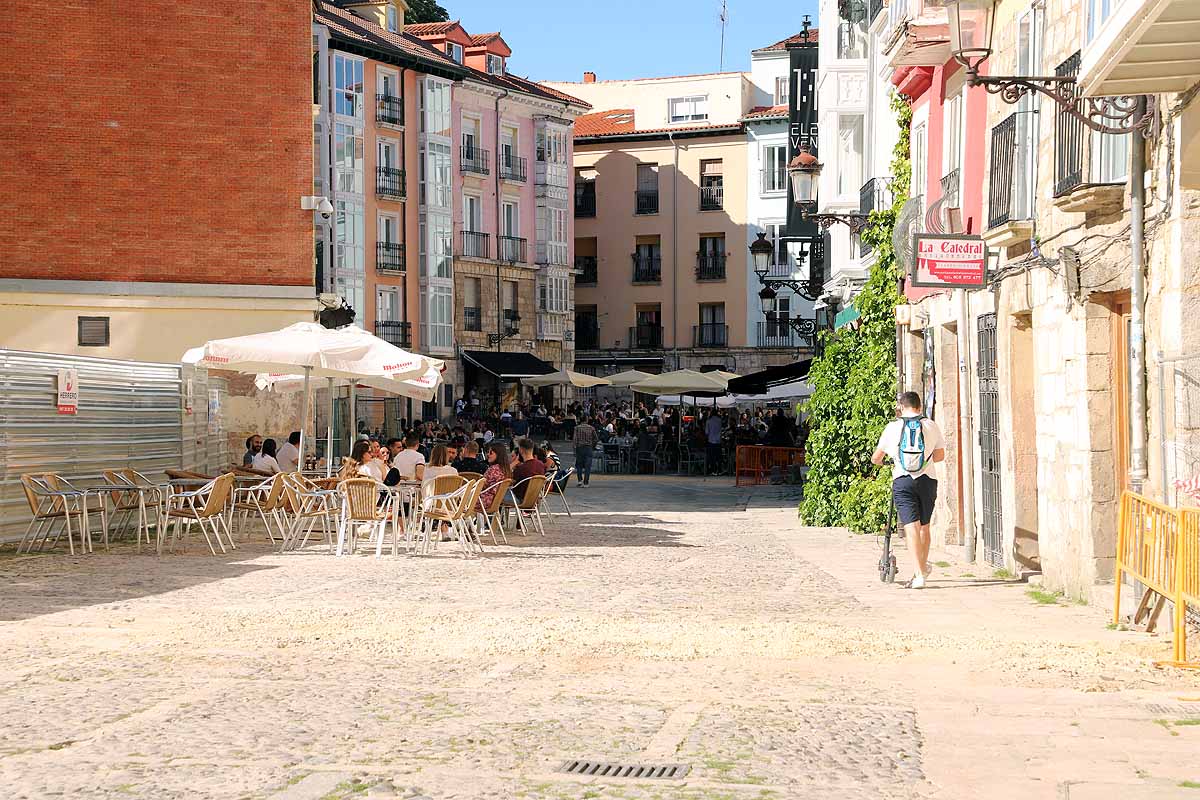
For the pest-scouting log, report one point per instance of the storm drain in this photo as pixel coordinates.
(601, 769)
(1170, 710)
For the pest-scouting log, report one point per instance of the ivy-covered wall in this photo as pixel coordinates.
(854, 379)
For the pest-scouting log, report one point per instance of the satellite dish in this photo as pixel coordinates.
(908, 222)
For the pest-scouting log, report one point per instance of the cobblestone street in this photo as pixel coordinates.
(669, 621)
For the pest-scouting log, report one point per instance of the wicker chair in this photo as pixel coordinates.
(264, 500)
(360, 507)
(306, 504)
(529, 494)
(205, 507)
(492, 514)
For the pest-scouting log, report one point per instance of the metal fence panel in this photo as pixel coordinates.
(130, 415)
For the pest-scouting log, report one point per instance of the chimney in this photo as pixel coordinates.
(589, 77)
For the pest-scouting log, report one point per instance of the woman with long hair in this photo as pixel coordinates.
(499, 469)
(264, 460)
(439, 463)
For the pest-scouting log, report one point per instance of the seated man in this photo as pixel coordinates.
(469, 460)
(528, 466)
(409, 462)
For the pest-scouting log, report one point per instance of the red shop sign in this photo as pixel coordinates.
(949, 261)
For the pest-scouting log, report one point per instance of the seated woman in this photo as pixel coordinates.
(264, 461)
(554, 468)
(439, 464)
(499, 469)
(362, 463)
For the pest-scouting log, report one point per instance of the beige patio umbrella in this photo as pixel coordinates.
(683, 381)
(629, 376)
(565, 377)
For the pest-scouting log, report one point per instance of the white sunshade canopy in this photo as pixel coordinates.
(423, 388)
(321, 352)
(683, 381)
(628, 377)
(566, 377)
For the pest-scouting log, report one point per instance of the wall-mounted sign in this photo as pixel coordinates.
(68, 391)
(949, 261)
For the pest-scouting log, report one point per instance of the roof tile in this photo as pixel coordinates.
(813, 36)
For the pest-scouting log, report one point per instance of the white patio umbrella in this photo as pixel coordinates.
(628, 377)
(684, 381)
(320, 352)
(565, 377)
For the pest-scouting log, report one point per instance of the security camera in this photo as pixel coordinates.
(325, 208)
(317, 203)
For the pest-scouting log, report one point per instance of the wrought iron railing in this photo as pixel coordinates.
(779, 333)
(645, 201)
(950, 194)
(473, 158)
(476, 245)
(512, 249)
(514, 168)
(647, 269)
(875, 195)
(875, 8)
(712, 197)
(389, 256)
(710, 266)
(472, 318)
(710, 334)
(389, 110)
(395, 333)
(1002, 171)
(585, 198)
(587, 265)
(512, 320)
(389, 182)
(645, 337)
(1068, 137)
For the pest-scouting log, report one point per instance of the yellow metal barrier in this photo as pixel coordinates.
(1187, 581)
(1160, 547)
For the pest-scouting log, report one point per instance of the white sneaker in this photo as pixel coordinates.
(917, 582)
(928, 570)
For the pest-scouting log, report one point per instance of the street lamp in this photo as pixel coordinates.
(514, 329)
(762, 251)
(767, 297)
(805, 173)
(972, 24)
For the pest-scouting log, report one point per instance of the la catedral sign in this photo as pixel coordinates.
(949, 261)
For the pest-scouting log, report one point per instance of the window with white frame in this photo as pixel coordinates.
(551, 146)
(508, 146)
(392, 18)
(435, 177)
(782, 86)
(952, 157)
(348, 158)
(495, 64)
(919, 153)
(1028, 62)
(472, 213)
(774, 169)
(387, 307)
(849, 154)
(780, 257)
(439, 318)
(387, 153)
(435, 106)
(510, 218)
(552, 294)
(349, 252)
(552, 235)
(455, 51)
(1109, 157)
(387, 82)
(348, 86)
(388, 229)
(1099, 12)
(437, 256)
(687, 109)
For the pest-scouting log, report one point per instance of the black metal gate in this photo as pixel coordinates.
(989, 441)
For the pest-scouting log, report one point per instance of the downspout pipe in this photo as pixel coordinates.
(1138, 465)
(404, 219)
(674, 252)
(496, 176)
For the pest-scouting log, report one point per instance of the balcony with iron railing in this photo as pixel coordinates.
(513, 249)
(395, 333)
(647, 269)
(473, 158)
(874, 9)
(389, 183)
(645, 337)
(712, 197)
(1002, 172)
(773, 180)
(587, 333)
(710, 266)
(389, 257)
(512, 320)
(472, 318)
(950, 195)
(585, 198)
(389, 110)
(475, 245)
(645, 201)
(710, 334)
(588, 270)
(1068, 137)
(778, 333)
(514, 168)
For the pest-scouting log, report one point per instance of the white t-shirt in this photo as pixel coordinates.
(406, 462)
(889, 443)
(265, 463)
(288, 457)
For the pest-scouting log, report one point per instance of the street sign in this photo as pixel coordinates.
(949, 261)
(68, 391)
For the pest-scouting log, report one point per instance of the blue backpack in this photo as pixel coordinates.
(911, 455)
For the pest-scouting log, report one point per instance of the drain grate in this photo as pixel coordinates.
(602, 769)
(1169, 710)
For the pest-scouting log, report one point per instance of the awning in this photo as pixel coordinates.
(845, 316)
(760, 382)
(508, 366)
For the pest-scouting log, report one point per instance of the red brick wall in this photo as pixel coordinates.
(157, 140)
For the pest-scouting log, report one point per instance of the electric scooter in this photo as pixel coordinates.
(887, 560)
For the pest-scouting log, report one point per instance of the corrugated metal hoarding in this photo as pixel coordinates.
(130, 414)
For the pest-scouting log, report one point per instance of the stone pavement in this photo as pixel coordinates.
(669, 621)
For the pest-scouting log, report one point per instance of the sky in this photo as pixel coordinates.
(629, 39)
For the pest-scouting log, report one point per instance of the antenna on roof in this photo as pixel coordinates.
(724, 17)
